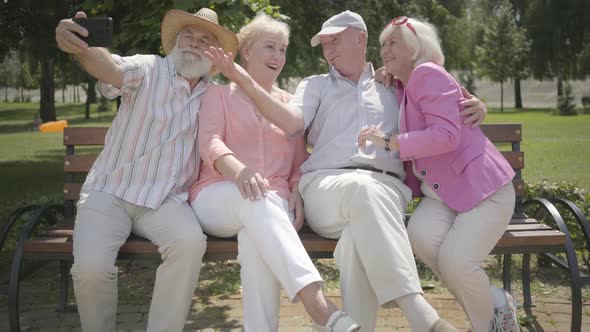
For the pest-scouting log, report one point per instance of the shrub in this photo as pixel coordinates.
(569, 191)
(566, 103)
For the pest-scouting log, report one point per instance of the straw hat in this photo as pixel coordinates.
(176, 20)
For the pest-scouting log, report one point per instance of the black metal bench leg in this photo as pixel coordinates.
(13, 289)
(526, 280)
(576, 308)
(507, 272)
(64, 284)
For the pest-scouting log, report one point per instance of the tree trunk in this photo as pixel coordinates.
(501, 96)
(47, 89)
(6, 94)
(559, 84)
(63, 94)
(90, 96)
(87, 110)
(517, 94)
(22, 96)
(91, 93)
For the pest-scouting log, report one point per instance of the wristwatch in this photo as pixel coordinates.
(387, 139)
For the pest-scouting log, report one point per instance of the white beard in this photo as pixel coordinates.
(187, 65)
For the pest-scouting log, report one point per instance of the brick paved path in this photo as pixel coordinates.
(224, 314)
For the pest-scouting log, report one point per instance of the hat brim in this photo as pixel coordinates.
(315, 40)
(176, 20)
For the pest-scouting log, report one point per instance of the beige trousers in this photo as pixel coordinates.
(103, 223)
(365, 211)
(454, 245)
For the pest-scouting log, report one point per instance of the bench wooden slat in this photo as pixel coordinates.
(311, 242)
(72, 191)
(83, 163)
(532, 238)
(59, 240)
(527, 227)
(503, 132)
(515, 159)
(84, 136)
(79, 163)
(496, 132)
(68, 230)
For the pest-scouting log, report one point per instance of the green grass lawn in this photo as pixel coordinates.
(31, 162)
(557, 148)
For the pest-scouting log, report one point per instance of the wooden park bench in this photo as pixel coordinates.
(53, 241)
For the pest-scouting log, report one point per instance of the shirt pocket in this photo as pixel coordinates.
(464, 158)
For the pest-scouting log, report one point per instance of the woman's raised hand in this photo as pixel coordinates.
(251, 184)
(224, 62)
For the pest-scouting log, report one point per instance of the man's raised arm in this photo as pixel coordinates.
(97, 61)
(282, 115)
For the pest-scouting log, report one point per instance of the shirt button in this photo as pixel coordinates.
(436, 186)
(424, 172)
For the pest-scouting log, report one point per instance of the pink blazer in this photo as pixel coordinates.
(458, 162)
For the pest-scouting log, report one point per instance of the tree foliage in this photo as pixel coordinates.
(476, 36)
(504, 45)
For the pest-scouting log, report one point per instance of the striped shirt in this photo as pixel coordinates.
(150, 151)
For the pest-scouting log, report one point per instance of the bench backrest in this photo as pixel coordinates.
(506, 136)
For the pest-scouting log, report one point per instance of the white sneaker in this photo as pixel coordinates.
(339, 321)
(505, 317)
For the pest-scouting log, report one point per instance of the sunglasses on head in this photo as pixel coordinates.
(401, 20)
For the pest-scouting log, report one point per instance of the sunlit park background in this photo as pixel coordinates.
(528, 60)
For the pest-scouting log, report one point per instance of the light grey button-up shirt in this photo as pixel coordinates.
(335, 110)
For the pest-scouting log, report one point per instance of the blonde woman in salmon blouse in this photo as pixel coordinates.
(466, 182)
(247, 187)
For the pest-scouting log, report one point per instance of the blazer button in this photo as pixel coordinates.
(436, 186)
(423, 172)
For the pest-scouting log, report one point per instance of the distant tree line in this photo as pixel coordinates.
(503, 40)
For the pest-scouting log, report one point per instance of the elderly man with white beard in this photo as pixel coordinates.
(139, 182)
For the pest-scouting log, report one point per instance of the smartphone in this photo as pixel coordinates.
(100, 31)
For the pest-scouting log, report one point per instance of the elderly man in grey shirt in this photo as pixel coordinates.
(355, 196)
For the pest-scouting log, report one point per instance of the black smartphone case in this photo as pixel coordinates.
(100, 31)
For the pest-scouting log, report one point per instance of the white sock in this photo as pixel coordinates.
(421, 315)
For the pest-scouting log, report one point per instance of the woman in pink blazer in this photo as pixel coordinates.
(466, 182)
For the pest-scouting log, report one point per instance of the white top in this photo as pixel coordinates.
(150, 151)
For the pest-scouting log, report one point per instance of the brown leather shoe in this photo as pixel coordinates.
(442, 325)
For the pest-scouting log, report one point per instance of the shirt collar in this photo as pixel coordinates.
(368, 72)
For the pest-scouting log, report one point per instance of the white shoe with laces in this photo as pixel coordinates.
(505, 317)
(339, 321)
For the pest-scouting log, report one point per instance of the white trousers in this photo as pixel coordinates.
(365, 210)
(103, 223)
(454, 245)
(270, 251)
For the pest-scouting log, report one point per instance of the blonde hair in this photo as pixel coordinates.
(260, 25)
(424, 42)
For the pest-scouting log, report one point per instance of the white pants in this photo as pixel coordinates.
(454, 245)
(270, 251)
(103, 223)
(365, 210)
